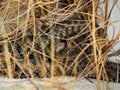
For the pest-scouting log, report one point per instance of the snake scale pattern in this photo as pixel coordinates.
(70, 34)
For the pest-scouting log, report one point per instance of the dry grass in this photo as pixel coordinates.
(32, 45)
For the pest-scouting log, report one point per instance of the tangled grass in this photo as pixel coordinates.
(48, 38)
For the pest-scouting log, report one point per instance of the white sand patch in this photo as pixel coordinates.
(45, 84)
